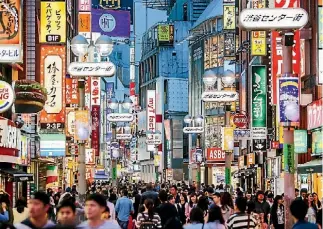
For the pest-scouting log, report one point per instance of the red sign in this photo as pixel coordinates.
(71, 92)
(275, 144)
(215, 155)
(95, 138)
(277, 50)
(132, 87)
(315, 114)
(240, 120)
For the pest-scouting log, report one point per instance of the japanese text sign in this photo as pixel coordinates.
(220, 96)
(95, 137)
(89, 157)
(70, 122)
(251, 159)
(300, 141)
(106, 69)
(215, 155)
(272, 18)
(315, 114)
(289, 101)
(163, 33)
(52, 76)
(229, 45)
(229, 17)
(53, 22)
(258, 43)
(11, 26)
(8, 134)
(151, 110)
(71, 92)
(95, 91)
(289, 162)
(84, 22)
(85, 5)
(259, 96)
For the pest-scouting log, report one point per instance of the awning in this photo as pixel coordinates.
(314, 166)
(18, 175)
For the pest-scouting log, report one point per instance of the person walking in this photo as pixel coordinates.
(298, 209)
(241, 219)
(197, 219)
(124, 208)
(191, 204)
(20, 212)
(150, 194)
(66, 213)
(216, 219)
(148, 219)
(277, 213)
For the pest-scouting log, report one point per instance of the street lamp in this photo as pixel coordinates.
(228, 78)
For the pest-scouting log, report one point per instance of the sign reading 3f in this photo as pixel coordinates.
(107, 23)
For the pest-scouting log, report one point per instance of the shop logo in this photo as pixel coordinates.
(107, 23)
(6, 96)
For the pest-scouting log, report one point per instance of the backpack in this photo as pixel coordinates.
(147, 223)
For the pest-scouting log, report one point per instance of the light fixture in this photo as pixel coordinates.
(127, 103)
(292, 112)
(104, 45)
(199, 119)
(79, 45)
(113, 103)
(228, 78)
(209, 78)
(188, 119)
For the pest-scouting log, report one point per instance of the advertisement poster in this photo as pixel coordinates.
(53, 22)
(258, 43)
(227, 138)
(300, 141)
(259, 96)
(320, 26)
(70, 122)
(289, 161)
(165, 35)
(229, 19)
(113, 23)
(52, 77)
(95, 137)
(229, 45)
(197, 65)
(11, 27)
(289, 101)
(82, 126)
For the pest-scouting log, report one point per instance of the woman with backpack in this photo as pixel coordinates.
(148, 219)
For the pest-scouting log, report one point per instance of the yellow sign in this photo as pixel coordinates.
(53, 22)
(229, 17)
(258, 43)
(227, 138)
(163, 33)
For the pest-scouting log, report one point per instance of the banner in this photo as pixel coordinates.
(259, 96)
(289, 161)
(71, 92)
(53, 22)
(84, 22)
(258, 43)
(52, 76)
(11, 35)
(317, 143)
(151, 110)
(229, 45)
(300, 141)
(88, 92)
(289, 101)
(114, 23)
(95, 137)
(227, 138)
(229, 17)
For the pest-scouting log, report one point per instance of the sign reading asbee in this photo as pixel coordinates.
(273, 18)
(215, 155)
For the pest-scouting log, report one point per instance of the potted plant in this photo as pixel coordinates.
(30, 96)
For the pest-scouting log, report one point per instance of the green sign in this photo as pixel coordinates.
(228, 176)
(317, 143)
(289, 162)
(114, 173)
(198, 176)
(259, 95)
(300, 141)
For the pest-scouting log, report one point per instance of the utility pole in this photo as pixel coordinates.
(228, 154)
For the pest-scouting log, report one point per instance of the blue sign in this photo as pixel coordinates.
(52, 145)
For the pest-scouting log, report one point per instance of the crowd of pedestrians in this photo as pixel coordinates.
(161, 206)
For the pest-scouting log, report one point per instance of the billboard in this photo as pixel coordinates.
(109, 90)
(11, 35)
(82, 121)
(229, 17)
(52, 22)
(114, 23)
(289, 101)
(214, 51)
(165, 34)
(95, 90)
(320, 43)
(277, 53)
(52, 77)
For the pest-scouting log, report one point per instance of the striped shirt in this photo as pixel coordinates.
(240, 221)
(144, 217)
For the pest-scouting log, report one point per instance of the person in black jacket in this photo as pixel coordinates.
(277, 214)
(150, 194)
(167, 212)
(261, 205)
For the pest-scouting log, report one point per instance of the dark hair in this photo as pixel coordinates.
(251, 206)
(190, 201)
(98, 198)
(174, 186)
(185, 197)
(226, 200)
(66, 204)
(149, 203)
(125, 192)
(149, 186)
(275, 204)
(170, 197)
(299, 208)
(210, 190)
(197, 215)
(215, 213)
(21, 205)
(270, 195)
(217, 194)
(203, 203)
(41, 196)
(241, 204)
(162, 196)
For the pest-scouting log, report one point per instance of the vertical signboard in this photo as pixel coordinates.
(289, 161)
(151, 110)
(82, 120)
(87, 93)
(85, 5)
(300, 141)
(84, 22)
(52, 76)
(277, 51)
(229, 45)
(227, 138)
(315, 114)
(71, 92)
(289, 101)
(229, 17)
(53, 21)
(165, 34)
(95, 113)
(11, 35)
(109, 88)
(258, 38)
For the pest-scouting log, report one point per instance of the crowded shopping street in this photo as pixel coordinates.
(161, 114)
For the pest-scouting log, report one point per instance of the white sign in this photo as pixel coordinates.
(115, 117)
(10, 53)
(7, 96)
(273, 18)
(153, 142)
(107, 23)
(124, 136)
(259, 133)
(241, 134)
(95, 91)
(89, 157)
(151, 110)
(219, 96)
(53, 82)
(193, 130)
(70, 123)
(82, 69)
(320, 60)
